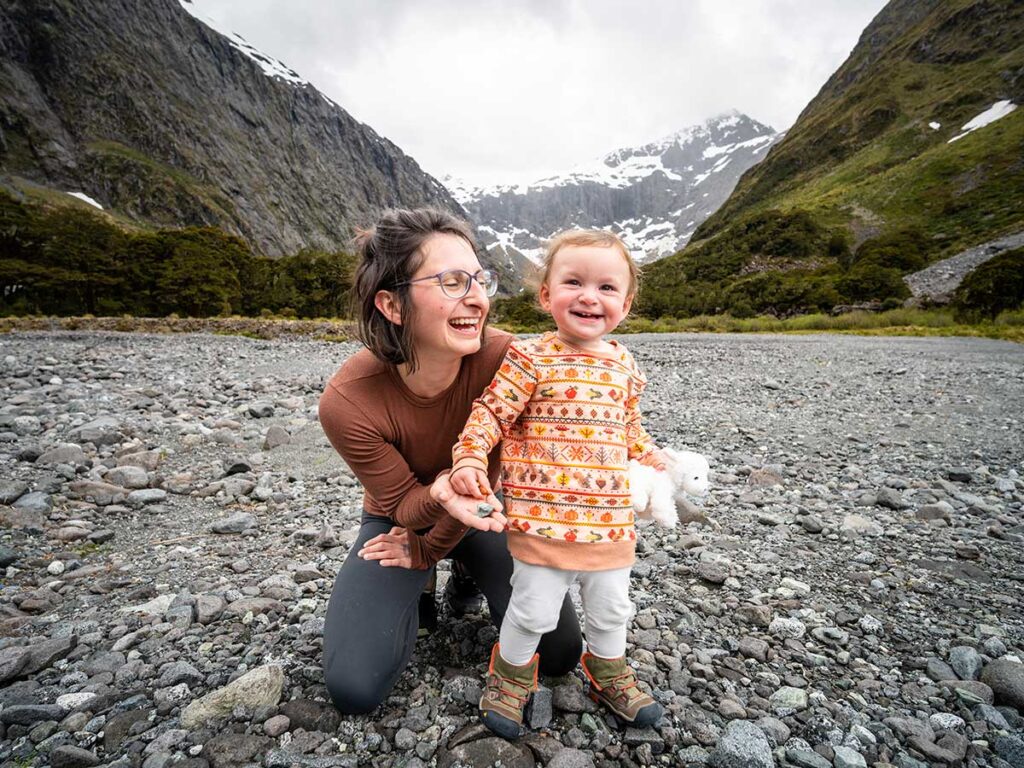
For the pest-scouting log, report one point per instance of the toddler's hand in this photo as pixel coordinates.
(465, 508)
(470, 481)
(656, 459)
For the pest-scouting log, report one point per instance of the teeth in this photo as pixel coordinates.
(464, 322)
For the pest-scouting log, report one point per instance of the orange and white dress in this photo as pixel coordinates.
(568, 422)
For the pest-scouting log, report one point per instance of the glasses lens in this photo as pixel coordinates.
(488, 281)
(455, 283)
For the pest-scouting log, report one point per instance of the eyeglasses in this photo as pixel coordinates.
(456, 282)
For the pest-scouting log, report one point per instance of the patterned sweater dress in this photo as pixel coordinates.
(568, 422)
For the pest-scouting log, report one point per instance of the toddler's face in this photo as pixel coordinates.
(587, 293)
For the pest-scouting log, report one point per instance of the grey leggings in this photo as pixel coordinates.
(372, 617)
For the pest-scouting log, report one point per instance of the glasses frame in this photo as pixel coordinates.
(489, 289)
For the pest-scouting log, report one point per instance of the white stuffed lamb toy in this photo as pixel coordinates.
(655, 493)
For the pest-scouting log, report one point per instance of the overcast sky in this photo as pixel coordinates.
(511, 91)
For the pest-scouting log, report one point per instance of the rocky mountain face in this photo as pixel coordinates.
(163, 121)
(884, 145)
(909, 155)
(654, 196)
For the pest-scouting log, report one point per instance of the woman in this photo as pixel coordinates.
(393, 411)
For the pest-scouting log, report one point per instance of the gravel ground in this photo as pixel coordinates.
(172, 517)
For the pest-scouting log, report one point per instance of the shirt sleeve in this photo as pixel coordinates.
(429, 549)
(638, 442)
(382, 470)
(496, 410)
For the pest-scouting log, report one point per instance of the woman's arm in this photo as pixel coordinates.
(382, 470)
(386, 476)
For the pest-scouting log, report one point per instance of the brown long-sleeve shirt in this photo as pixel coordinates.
(397, 442)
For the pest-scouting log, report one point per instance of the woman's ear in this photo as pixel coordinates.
(388, 305)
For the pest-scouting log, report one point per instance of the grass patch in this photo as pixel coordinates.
(896, 322)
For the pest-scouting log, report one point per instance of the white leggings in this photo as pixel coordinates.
(537, 594)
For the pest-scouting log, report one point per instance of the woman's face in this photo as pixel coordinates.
(445, 327)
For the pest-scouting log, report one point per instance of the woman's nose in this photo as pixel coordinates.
(477, 294)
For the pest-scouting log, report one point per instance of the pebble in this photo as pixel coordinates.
(259, 687)
(236, 523)
(1006, 680)
(848, 758)
(742, 745)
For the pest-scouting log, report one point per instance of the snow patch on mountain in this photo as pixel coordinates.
(85, 198)
(998, 110)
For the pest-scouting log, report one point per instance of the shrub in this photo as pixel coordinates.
(905, 250)
(521, 311)
(867, 282)
(995, 286)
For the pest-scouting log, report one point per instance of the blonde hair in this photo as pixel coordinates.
(585, 238)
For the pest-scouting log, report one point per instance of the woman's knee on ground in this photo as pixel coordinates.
(352, 691)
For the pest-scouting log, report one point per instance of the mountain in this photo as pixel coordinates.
(654, 195)
(144, 110)
(912, 151)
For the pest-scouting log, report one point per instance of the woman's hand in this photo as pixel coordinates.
(391, 549)
(463, 508)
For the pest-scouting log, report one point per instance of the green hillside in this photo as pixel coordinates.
(864, 188)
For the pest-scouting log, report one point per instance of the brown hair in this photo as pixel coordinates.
(390, 253)
(584, 238)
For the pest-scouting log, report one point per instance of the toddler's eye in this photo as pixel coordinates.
(572, 281)
(608, 288)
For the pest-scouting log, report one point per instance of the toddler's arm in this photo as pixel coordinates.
(494, 412)
(640, 444)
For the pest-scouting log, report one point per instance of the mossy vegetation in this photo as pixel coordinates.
(70, 261)
(995, 287)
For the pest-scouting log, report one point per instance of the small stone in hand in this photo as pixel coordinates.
(484, 509)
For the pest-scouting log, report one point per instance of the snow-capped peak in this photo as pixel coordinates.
(653, 195)
(271, 67)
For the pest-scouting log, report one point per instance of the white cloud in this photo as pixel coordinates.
(502, 92)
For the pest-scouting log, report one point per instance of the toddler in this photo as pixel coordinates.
(564, 407)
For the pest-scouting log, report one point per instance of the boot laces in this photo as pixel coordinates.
(505, 687)
(624, 686)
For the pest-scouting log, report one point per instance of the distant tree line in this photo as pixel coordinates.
(68, 261)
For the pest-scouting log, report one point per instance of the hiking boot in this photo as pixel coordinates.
(428, 607)
(506, 691)
(613, 683)
(461, 593)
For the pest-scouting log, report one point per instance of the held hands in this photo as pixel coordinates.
(463, 507)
